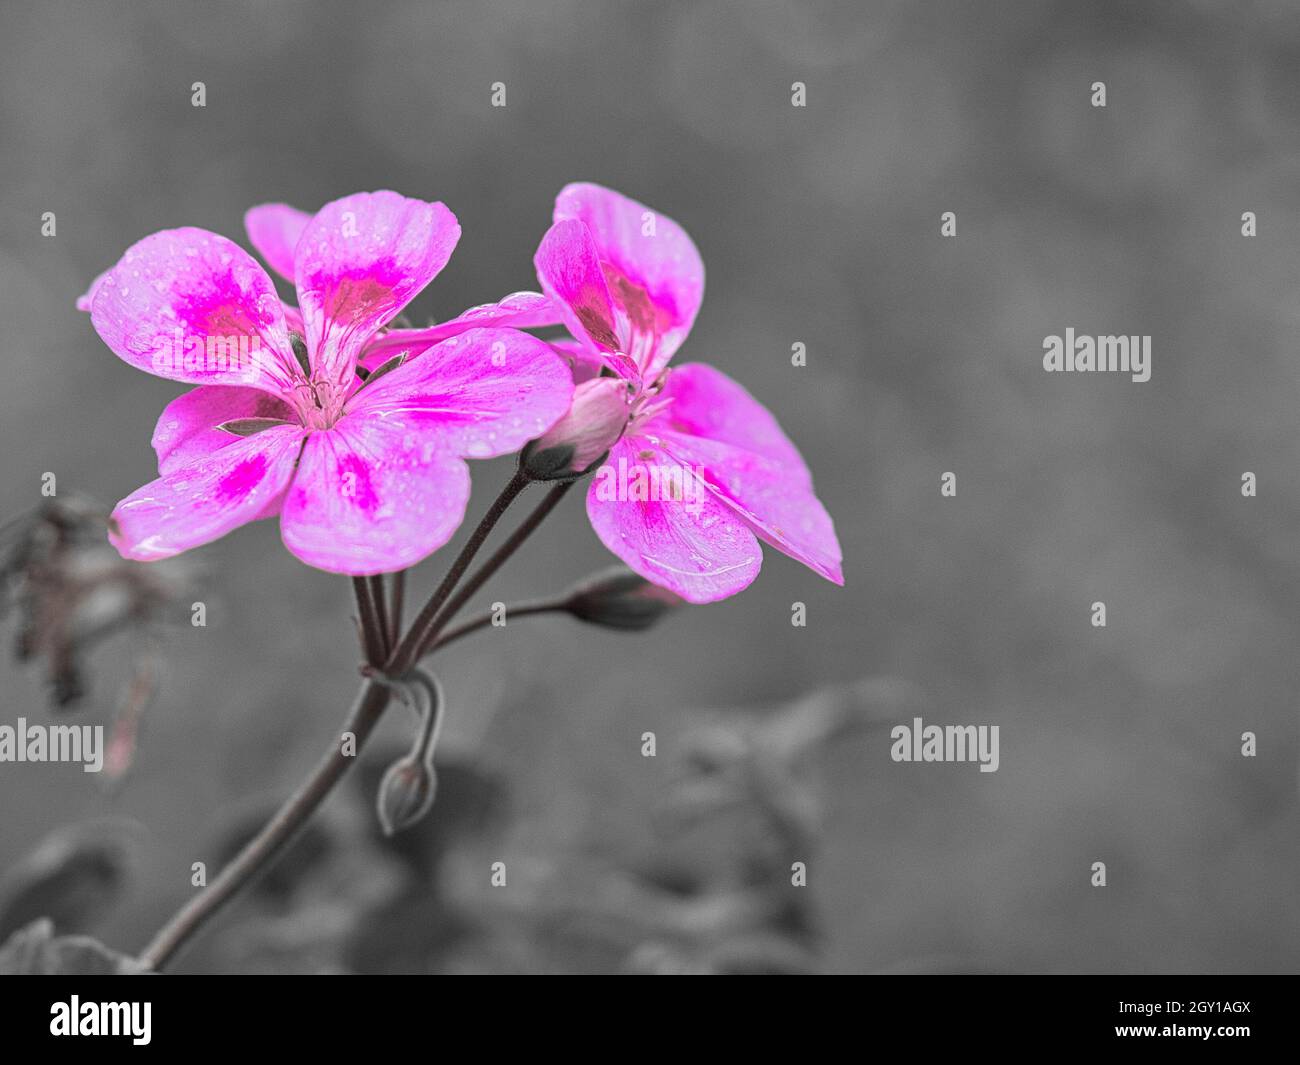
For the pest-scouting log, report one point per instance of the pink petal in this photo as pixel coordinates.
(199, 502)
(293, 319)
(187, 429)
(88, 297)
(193, 306)
(372, 496)
(584, 362)
(695, 547)
(568, 267)
(771, 498)
(747, 460)
(708, 403)
(483, 393)
(274, 229)
(361, 260)
(653, 268)
(520, 310)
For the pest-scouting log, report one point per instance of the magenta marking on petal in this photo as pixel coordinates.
(218, 317)
(642, 311)
(355, 482)
(649, 320)
(589, 311)
(241, 480)
(360, 295)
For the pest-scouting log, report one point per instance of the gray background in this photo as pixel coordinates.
(818, 225)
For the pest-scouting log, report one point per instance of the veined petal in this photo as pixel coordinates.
(770, 497)
(737, 448)
(193, 306)
(568, 267)
(372, 496)
(274, 229)
(204, 499)
(483, 393)
(360, 260)
(652, 266)
(519, 310)
(708, 403)
(681, 538)
(187, 428)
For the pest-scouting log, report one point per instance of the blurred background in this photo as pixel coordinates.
(818, 225)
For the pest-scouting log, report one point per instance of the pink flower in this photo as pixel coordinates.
(701, 471)
(366, 476)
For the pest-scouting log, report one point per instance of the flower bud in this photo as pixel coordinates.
(583, 437)
(620, 599)
(405, 793)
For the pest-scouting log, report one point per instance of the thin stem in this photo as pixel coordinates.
(376, 622)
(514, 610)
(395, 615)
(408, 650)
(275, 835)
(372, 634)
(494, 563)
(381, 613)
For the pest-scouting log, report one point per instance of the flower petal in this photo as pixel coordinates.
(695, 546)
(519, 310)
(187, 428)
(88, 297)
(483, 393)
(708, 403)
(584, 361)
(371, 496)
(360, 260)
(204, 499)
(653, 268)
(193, 306)
(568, 267)
(742, 454)
(770, 497)
(274, 229)
(293, 318)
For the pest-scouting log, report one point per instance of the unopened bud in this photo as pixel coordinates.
(405, 794)
(409, 784)
(583, 437)
(620, 599)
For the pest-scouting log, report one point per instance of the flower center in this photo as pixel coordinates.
(647, 406)
(319, 403)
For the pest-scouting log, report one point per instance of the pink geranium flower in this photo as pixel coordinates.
(628, 282)
(367, 476)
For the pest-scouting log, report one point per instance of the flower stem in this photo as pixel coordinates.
(407, 651)
(372, 630)
(494, 563)
(275, 835)
(395, 613)
(380, 598)
(513, 610)
(378, 620)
